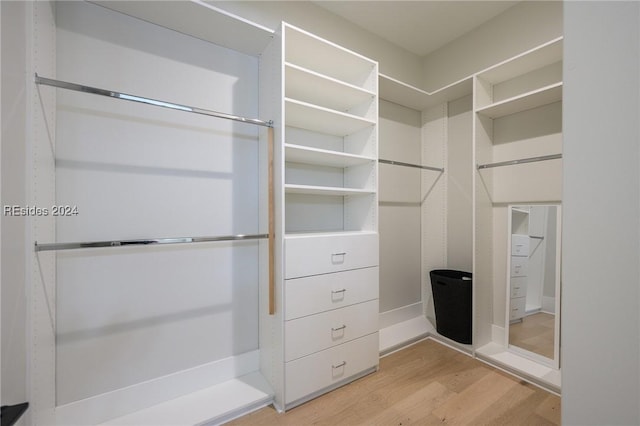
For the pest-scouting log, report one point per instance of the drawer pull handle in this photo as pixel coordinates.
(338, 291)
(342, 364)
(339, 328)
(344, 253)
(514, 309)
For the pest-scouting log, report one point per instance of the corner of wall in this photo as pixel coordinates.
(519, 28)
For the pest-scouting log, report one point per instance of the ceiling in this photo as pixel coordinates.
(418, 26)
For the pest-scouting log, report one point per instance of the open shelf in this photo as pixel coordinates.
(412, 97)
(335, 233)
(324, 57)
(200, 20)
(323, 157)
(309, 86)
(524, 63)
(323, 120)
(536, 98)
(324, 190)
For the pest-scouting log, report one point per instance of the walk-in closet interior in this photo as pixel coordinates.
(246, 199)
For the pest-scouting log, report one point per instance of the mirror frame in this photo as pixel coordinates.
(555, 361)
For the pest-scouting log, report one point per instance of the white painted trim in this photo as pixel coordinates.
(510, 362)
(498, 335)
(398, 315)
(212, 406)
(121, 402)
(402, 334)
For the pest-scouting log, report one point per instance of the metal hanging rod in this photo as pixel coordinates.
(417, 166)
(521, 161)
(148, 101)
(144, 242)
(536, 237)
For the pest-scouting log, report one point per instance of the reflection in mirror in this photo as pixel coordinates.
(534, 281)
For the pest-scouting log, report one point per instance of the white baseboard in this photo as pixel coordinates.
(498, 335)
(511, 362)
(404, 333)
(399, 315)
(549, 304)
(132, 399)
(212, 406)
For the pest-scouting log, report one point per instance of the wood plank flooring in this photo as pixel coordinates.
(534, 333)
(425, 384)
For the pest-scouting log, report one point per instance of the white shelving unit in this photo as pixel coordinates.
(324, 332)
(517, 116)
(508, 98)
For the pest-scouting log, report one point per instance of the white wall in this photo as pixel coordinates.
(459, 185)
(434, 199)
(394, 61)
(519, 28)
(601, 206)
(14, 184)
(399, 199)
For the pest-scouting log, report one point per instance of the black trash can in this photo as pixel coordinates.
(452, 302)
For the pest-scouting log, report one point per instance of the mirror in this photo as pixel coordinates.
(533, 293)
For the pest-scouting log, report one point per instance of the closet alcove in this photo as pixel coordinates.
(382, 172)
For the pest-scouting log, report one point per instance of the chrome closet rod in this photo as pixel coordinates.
(143, 242)
(148, 101)
(417, 166)
(521, 161)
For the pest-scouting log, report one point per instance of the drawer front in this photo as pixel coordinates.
(518, 287)
(312, 373)
(304, 336)
(519, 266)
(519, 245)
(312, 255)
(320, 293)
(517, 308)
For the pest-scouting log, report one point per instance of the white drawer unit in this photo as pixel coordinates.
(518, 306)
(304, 336)
(319, 293)
(519, 266)
(518, 287)
(308, 375)
(320, 254)
(520, 245)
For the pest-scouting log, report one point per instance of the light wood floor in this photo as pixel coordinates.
(534, 333)
(424, 384)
